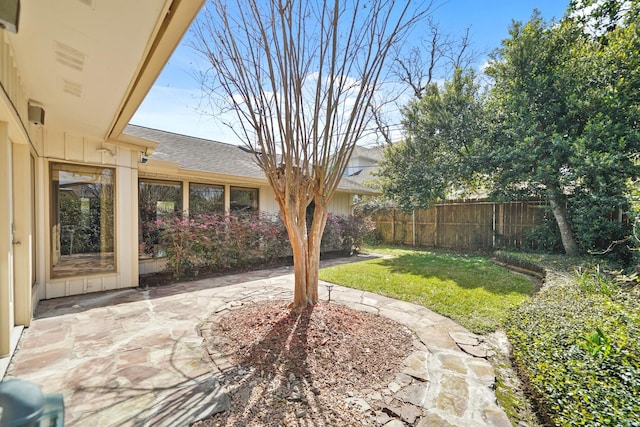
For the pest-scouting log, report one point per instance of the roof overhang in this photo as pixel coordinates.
(90, 63)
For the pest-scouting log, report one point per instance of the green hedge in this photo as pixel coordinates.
(207, 243)
(579, 350)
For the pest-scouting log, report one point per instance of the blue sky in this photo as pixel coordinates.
(173, 104)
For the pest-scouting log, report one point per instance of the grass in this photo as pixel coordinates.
(468, 289)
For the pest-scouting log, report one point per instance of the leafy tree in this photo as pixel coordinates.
(566, 109)
(300, 76)
(444, 126)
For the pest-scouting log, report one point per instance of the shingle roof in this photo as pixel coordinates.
(205, 155)
(199, 154)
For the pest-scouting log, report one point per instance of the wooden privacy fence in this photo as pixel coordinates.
(468, 224)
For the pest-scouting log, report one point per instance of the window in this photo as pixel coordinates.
(205, 199)
(82, 219)
(244, 199)
(156, 199)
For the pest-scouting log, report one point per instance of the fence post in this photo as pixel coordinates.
(414, 226)
(393, 225)
(493, 227)
(436, 240)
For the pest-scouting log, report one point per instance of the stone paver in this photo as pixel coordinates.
(136, 357)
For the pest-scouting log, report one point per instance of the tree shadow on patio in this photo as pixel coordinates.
(139, 395)
(273, 372)
(303, 369)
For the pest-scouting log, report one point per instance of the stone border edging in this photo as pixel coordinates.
(520, 266)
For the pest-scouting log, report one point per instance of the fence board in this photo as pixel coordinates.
(468, 224)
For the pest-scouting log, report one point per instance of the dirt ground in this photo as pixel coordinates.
(316, 368)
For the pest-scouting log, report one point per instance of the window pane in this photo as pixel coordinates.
(82, 220)
(244, 199)
(205, 199)
(155, 200)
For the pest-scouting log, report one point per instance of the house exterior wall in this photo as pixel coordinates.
(64, 147)
(26, 150)
(341, 203)
(15, 280)
(358, 162)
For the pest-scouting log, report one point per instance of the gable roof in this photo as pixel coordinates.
(204, 155)
(363, 166)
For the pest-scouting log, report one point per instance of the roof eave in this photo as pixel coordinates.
(169, 32)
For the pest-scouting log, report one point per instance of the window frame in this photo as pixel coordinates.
(207, 185)
(177, 209)
(85, 212)
(246, 189)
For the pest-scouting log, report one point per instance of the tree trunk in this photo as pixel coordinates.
(560, 214)
(296, 229)
(315, 238)
(305, 246)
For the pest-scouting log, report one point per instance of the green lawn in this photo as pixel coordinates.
(468, 289)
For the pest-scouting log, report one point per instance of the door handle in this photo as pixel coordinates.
(16, 243)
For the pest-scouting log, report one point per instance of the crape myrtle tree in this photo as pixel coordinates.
(300, 77)
(564, 105)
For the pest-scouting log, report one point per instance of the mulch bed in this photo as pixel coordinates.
(313, 368)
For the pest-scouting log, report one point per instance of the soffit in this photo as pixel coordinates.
(78, 58)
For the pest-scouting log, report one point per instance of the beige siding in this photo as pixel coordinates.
(59, 145)
(147, 266)
(6, 250)
(15, 286)
(67, 147)
(341, 204)
(11, 81)
(268, 200)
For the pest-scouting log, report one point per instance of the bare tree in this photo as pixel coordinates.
(436, 56)
(300, 77)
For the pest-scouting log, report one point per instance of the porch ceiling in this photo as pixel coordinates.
(82, 60)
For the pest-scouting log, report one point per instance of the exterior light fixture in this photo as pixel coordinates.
(36, 113)
(329, 287)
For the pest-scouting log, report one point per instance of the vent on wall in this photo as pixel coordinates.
(68, 56)
(72, 88)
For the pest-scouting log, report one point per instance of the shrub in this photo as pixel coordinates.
(545, 237)
(593, 218)
(345, 234)
(578, 345)
(207, 243)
